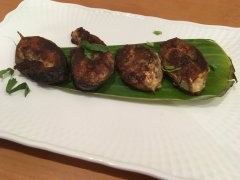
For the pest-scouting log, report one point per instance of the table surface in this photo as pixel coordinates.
(21, 162)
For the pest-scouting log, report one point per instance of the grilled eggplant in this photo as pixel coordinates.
(41, 60)
(139, 67)
(184, 64)
(80, 34)
(89, 74)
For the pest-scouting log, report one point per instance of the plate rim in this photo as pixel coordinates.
(87, 156)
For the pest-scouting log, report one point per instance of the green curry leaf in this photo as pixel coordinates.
(11, 89)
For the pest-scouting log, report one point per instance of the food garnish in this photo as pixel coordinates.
(11, 89)
(12, 82)
(9, 71)
(170, 68)
(89, 48)
(157, 32)
(94, 47)
(150, 44)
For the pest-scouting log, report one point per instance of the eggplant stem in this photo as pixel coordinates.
(20, 34)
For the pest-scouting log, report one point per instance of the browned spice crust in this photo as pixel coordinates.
(89, 74)
(193, 68)
(139, 67)
(41, 60)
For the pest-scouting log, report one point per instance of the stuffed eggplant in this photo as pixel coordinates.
(185, 65)
(89, 73)
(41, 60)
(139, 67)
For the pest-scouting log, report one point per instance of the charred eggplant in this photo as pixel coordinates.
(185, 65)
(139, 67)
(41, 60)
(89, 74)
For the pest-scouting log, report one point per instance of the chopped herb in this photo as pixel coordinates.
(11, 89)
(157, 32)
(90, 47)
(22, 86)
(94, 47)
(12, 82)
(170, 68)
(88, 53)
(151, 44)
(10, 71)
(213, 67)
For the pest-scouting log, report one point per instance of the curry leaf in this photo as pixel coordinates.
(11, 83)
(151, 44)
(157, 32)
(88, 53)
(11, 89)
(171, 68)
(94, 47)
(3, 72)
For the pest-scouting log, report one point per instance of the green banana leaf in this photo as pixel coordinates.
(220, 79)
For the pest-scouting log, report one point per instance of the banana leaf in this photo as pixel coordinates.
(220, 79)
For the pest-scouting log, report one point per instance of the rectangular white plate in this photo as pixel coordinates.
(172, 140)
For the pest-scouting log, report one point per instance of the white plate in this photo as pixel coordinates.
(175, 140)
